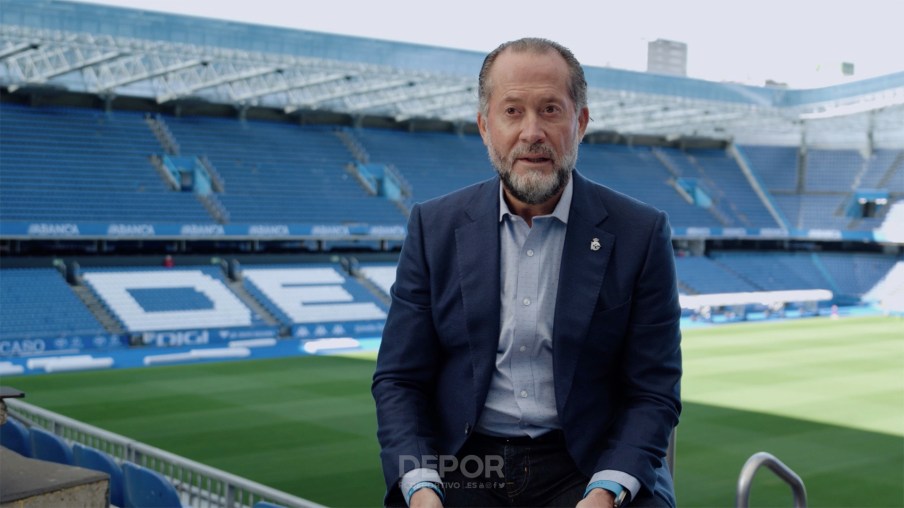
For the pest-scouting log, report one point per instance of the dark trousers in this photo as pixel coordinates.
(520, 472)
(514, 472)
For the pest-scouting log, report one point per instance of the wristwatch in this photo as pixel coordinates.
(616, 489)
(620, 498)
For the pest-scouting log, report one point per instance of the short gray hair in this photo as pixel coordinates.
(577, 82)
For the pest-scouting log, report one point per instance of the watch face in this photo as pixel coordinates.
(620, 498)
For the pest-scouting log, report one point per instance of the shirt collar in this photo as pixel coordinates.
(563, 207)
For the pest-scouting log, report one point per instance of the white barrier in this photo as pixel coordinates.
(199, 486)
(766, 298)
(199, 354)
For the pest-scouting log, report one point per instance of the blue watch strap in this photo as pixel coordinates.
(425, 485)
(614, 487)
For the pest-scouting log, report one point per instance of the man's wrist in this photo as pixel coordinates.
(619, 492)
(425, 485)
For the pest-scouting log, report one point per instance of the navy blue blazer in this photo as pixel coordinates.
(616, 338)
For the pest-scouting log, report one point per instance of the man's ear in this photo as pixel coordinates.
(583, 121)
(482, 127)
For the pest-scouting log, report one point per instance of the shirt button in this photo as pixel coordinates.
(526, 302)
(522, 349)
(524, 394)
(530, 253)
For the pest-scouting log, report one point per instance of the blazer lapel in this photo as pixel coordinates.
(580, 280)
(477, 249)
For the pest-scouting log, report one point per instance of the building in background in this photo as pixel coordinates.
(667, 57)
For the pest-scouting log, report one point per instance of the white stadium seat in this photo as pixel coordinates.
(113, 287)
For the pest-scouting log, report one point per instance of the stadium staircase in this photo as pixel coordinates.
(353, 269)
(691, 175)
(758, 186)
(98, 309)
(895, 172)
(238, 287)
(201, 166)
(215, 208)
(163, 134)
(376, 179)
(374, 290)
(165, 175)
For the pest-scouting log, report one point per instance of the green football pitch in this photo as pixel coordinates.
(824, 396)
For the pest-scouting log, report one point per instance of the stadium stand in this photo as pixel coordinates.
(775, 271)
(882, 168)
(76, 164)
(776, 165)
(311, 294)
(382, 275)
(832, 170)
(37, 302)
(814, 190)
(855, 274)
(434, 163)
(280, 172)
(640, 172)
(736, 195)
(169, 299)
(701, 275)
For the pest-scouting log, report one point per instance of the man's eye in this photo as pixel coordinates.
(510, 111)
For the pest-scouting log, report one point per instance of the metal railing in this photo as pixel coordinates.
(784, 472)
(199, 486)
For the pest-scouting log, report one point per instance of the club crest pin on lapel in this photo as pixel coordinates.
(595, 244)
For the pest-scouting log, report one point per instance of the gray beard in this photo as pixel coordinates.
(534, 188)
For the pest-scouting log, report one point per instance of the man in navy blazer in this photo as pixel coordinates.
(604, 356)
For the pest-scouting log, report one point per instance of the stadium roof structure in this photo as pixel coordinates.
(110, 52)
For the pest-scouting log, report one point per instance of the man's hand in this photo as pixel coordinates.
(426, 498)
(597, 498)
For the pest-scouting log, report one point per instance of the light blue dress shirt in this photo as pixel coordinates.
(522, 397)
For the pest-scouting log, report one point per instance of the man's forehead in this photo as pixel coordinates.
(518, 55)
(530, 69)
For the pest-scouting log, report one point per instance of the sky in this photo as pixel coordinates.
(801, 43)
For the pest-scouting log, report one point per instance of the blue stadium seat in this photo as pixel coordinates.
(91, 458)
(14, 436)
(37, 302)
(56, 169)
(267, 504)
(50, 447)
(278, 173)
(146, 488)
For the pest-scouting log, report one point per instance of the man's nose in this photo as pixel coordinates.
(532, 130)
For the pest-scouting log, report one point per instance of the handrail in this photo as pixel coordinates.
(199, 485)
(758, 460)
